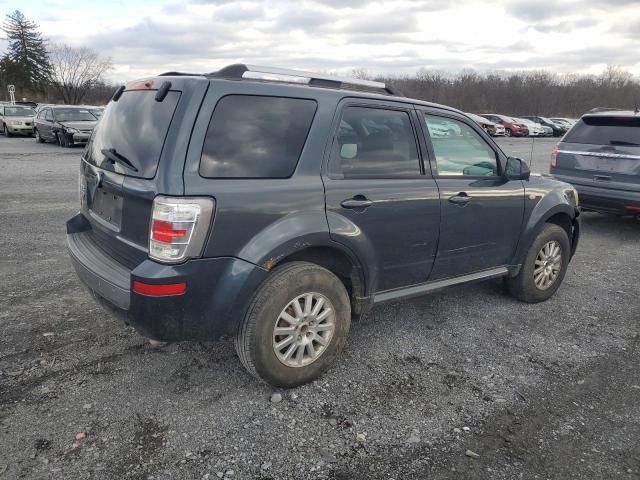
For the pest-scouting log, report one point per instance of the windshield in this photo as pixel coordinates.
(73, 115)
(18, 111)
(97, 112)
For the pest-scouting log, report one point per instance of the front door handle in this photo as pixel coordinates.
(359, 201)
(460, 199)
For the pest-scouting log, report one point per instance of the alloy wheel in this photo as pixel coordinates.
(304, 329)
(547, 265)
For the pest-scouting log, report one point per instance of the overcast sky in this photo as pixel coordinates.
(145, 37)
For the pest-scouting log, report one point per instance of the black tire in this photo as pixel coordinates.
(7, 132)
(254, 339)
(64, 140)
(508, 132)
(3, 130)
(523, 286)
(39, 139)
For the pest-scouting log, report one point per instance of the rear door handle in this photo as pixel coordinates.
(359, 201)
(460, 199)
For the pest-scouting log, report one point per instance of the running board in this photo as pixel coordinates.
(437, 285)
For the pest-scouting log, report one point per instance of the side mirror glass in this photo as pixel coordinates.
(517, 169)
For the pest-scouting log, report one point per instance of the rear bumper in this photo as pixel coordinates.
(218, 290)
(606, 199)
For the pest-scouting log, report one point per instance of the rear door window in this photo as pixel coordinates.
(133, 130)
(256, 136)
(375, 143)
(606, 131)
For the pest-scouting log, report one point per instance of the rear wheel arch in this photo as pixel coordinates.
(341, 264)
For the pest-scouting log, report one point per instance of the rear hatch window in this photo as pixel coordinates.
(623, 131)
(131, 133)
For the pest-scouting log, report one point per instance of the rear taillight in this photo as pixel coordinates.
(554, 157)
(179, 227)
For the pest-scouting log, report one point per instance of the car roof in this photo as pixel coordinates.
(352, 87)
(613, 113)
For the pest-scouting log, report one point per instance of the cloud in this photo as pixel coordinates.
(387, 37)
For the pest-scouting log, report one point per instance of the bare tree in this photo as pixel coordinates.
(76, 71)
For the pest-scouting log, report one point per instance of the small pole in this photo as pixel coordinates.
(12, 94)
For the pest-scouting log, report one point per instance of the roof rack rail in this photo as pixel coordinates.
(240, 71)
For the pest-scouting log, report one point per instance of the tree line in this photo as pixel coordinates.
(51, 73)
(56, 73)
(523, 93)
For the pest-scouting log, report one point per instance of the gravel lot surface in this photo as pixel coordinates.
(463, 383)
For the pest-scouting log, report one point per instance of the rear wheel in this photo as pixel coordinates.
(296, 325)
(544, 267)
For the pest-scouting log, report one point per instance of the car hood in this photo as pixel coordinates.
(80, 125)
(21, 119)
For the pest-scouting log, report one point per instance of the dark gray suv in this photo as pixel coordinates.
(275, 206)
(600, 156)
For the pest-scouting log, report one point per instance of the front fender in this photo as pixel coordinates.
(540, 206)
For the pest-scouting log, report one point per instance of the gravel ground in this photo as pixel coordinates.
(463, 383)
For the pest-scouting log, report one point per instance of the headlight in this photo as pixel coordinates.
(72, 130)
(14, 122)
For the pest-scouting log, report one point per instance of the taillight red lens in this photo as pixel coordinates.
(179, 227)
(159, 290)
(166, 232)
(554, 157)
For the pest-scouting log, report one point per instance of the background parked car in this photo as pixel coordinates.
(569, 122)
(512, 127)
(16, 119)
(487, 125)
(535, 129)
(64, 124)
(96, 111)
(558, 130)
(600, 156)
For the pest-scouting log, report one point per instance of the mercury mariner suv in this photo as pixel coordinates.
(275, 206)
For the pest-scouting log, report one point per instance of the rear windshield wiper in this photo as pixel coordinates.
(622, 142)
(114, 156)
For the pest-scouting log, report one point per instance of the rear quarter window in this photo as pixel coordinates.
(256, 136)
(605, 131)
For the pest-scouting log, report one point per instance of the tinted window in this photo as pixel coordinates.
(458, 149)
(605, 131)
(256, 137)
(135, 128)
(375, 143)
(48, 115)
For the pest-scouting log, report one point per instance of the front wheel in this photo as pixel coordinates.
(544, 267)
(508, 132)
(39, 139)
(296, 325)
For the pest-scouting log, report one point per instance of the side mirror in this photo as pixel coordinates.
(517, 169)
